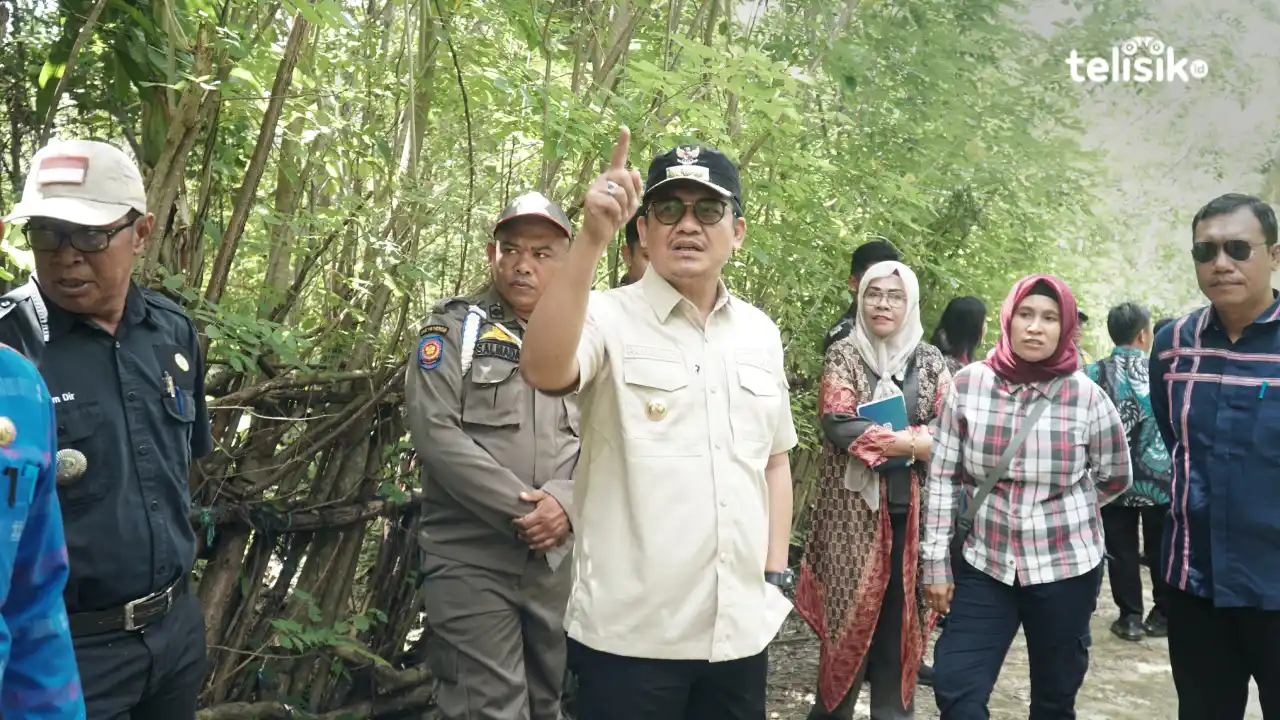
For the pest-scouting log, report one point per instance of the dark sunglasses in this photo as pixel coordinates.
(708, 211)
(1238, 250)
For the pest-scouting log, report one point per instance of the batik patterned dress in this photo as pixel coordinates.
(845, 569)
(1125, 378)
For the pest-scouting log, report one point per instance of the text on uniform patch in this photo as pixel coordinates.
(498, 349)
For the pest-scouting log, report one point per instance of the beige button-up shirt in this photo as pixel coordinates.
(672, 521)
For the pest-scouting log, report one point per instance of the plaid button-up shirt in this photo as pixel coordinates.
(1040, 523)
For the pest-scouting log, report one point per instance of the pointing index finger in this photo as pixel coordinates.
(619, 159)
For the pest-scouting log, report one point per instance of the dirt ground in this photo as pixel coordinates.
(1126, 680)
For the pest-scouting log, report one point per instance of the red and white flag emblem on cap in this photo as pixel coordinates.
(62, 170)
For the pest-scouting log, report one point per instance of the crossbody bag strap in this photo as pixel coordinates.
(988, 482)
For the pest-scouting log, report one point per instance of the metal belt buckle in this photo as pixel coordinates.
(168, 593)
(128, 613)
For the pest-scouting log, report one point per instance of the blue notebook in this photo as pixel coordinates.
(891, 412)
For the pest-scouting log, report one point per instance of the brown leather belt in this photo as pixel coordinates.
(132, 616)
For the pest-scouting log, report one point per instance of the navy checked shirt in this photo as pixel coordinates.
(1218, 407)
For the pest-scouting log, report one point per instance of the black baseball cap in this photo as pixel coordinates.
(534, 204)
(703, 165)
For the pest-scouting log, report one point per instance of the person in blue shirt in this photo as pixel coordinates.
(39, 680)
(1215, 394)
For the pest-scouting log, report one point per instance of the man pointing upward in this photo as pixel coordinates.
(684, 492)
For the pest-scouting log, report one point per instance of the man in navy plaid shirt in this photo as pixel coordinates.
(1211, 373)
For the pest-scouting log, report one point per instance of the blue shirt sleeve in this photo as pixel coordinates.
(41, 681)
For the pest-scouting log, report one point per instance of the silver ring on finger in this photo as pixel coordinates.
(611, 187)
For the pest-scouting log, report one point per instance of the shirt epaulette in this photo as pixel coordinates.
(162, 302)
(455, 307)
(14, 298)
(7, 306)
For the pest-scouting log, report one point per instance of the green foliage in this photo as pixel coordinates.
(301, 639)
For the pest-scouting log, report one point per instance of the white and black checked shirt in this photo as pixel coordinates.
(1040, 523)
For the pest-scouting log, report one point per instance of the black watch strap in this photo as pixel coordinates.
(782, 579)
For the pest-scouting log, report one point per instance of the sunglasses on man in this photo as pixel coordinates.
(1238, 250)
(84, 239)
(707, 211)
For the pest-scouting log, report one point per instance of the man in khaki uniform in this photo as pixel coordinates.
(497, 459)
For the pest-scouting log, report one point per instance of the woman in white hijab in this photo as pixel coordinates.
(858, 586)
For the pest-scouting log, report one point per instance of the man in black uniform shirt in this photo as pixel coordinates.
(865, 256)
(124, 369)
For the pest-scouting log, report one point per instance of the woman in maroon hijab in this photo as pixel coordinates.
(1034, 555)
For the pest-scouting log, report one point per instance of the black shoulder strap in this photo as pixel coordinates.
(985, 484)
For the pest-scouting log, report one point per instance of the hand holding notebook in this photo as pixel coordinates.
(892, 413)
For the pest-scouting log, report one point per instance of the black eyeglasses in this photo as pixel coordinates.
(84, 239)
(708, 211)
(1238, 250)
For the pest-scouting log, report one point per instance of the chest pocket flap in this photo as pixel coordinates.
(754, 374)
(654, 367)
(79, 423)
(177, 381)
(493, 393)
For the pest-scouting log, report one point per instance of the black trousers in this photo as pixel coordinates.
(151, 674)
(1124, 568)
(613, 687)
(985, 615)
(1214, 651)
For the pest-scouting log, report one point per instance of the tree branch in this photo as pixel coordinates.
(86, 30)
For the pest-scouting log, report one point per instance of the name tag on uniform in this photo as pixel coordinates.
(498, 349)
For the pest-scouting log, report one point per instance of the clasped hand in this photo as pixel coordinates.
(547, 526)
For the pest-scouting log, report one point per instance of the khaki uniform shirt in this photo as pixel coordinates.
(484, 437)
(673, 512)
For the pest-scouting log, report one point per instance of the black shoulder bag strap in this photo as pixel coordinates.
(964, 523)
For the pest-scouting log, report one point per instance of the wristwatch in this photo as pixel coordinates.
(783, 580)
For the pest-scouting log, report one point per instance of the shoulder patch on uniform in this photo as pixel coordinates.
(430, 351)
(434, 329)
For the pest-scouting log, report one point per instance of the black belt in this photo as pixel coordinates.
(131, 616)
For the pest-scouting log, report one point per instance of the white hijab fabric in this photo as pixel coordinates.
(888, 358)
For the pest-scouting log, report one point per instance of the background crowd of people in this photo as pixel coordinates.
(607, 474)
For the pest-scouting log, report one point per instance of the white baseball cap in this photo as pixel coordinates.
(83, 182)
